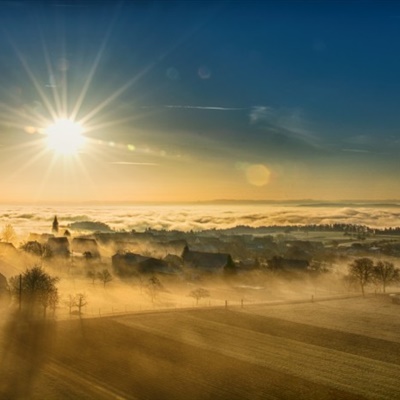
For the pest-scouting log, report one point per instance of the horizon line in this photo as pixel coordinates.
(195, 202)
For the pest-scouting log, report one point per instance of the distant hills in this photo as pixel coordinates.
(311, 203)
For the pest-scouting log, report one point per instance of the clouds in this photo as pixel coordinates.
(289, 123)
(373, 143)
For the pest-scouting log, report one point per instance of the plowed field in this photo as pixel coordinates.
(263, 352)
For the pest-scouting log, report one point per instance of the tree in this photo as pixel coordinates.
(275, 263)
(141, 282)
(80, 301)
(70, 302)
(33, 247)
(361, 270)
(8, 234)
(199, 293)
(35, 287)
(91, 275)
(55, 225)
(105, 276)
(154, 286)
(384, 272)
(49, 298)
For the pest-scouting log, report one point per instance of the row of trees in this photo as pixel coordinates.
(35, 289)
(78, 300)
(364, 271)
(104, 276)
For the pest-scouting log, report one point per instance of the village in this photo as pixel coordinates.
(191, 255)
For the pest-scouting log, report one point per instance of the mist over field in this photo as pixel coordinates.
(26, 218)
(286, 323)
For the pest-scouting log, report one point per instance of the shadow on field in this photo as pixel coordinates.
(26, 341)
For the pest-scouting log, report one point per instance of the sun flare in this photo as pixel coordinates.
(65, 137)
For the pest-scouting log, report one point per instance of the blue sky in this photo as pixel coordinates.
(241, 100)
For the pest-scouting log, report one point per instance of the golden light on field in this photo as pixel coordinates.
(65, 137)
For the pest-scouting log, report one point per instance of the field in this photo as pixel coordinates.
(336, 349)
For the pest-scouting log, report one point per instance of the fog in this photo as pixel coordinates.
(127, 343)
(132, 338)
(27, 219)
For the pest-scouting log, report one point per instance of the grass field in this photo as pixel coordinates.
(338, 349)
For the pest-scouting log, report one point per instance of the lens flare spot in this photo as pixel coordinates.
(204, 72)
(131, 147)
(172, 73)
(30, 129)
(258, 174)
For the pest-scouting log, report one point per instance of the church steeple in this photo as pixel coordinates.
(55, 225)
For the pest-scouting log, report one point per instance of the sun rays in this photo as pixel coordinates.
(61, 124)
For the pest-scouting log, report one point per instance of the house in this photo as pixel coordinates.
(131, 264)
(207, 244)
(85, 246)
(172, 247)
(128, 246)
(217, 263)
(287, 264)
(57, 247)
(174, 261)
(42, 238)
(248, 264)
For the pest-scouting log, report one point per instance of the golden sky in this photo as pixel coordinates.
(107, 103)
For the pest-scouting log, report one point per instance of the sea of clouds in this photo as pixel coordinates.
(39, 219)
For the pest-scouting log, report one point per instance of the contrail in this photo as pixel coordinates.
(202, 107)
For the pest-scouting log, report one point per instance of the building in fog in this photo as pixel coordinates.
(131, 264)
(216, 263)
(57, 247)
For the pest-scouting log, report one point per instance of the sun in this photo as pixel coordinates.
(65, 137)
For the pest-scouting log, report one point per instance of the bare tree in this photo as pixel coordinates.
(8, 234)
(140, 282)
(50, 299)
(70, 302)
(153, 287)
(80, 301)
(91, 275)
(199, 293)
(35, 287)
(384, 272)
(105, 276)
(361, 270)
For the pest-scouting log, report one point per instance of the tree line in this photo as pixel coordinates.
(364, 271)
